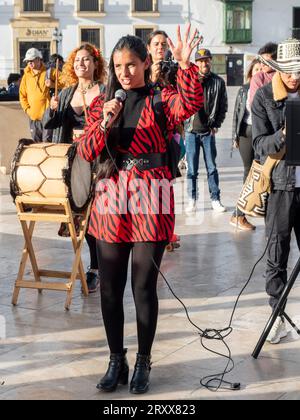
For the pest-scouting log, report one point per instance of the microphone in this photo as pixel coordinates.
(120, 96)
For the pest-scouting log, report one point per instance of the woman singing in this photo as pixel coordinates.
(122, 221)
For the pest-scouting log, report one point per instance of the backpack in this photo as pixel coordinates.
(175, 146)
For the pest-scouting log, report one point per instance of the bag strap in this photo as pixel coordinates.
(273, 160)
(160, 116)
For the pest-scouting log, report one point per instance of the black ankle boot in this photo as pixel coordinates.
(117, 372)
(140, 380)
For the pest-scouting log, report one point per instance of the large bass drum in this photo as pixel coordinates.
(49, 170)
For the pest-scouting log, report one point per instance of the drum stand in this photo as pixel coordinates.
(50, 210)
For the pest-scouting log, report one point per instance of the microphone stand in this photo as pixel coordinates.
(279, 311)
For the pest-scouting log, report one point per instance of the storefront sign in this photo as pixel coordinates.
(41, 33)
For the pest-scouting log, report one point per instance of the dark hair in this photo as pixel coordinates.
(133, 44)
(154, 33)
(269, 48)
(13, 77)
(250, 68)
(54, 57)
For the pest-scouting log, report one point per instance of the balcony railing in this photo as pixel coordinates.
(33, 6)
(296, 33)
(238, 36)
(89, 6)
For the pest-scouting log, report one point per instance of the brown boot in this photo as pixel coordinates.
(241, 223)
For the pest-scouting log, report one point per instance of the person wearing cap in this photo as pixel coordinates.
(35, 94)
(269, 135)
(200, 131)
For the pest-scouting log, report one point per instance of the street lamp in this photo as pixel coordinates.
(57, 37)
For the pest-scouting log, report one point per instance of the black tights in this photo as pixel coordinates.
(113, 266)
(91, 241)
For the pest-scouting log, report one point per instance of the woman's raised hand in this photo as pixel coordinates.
(183, 50)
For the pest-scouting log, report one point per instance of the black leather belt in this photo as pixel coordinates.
(142, 161)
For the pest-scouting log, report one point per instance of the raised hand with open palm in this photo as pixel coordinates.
(183, 50)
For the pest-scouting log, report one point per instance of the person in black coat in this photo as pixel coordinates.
(269, 137)
(200, 131)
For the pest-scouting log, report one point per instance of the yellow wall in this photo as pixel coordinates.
(14, 125)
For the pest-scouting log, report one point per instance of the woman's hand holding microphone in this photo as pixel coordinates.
(111, 110)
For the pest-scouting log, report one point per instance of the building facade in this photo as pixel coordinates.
(232, 29)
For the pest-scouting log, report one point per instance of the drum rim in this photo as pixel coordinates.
(13, 185)
(66, 174)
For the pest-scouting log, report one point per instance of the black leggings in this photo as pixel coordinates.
(91, 241)
(113, 266)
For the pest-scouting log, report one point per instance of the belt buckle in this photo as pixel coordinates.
(128, 164)
(140, 163)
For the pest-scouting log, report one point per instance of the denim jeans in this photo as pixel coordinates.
(193, 142)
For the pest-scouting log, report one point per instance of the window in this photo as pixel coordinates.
(33, 6)
(91, 35)
(143, 33)
(296, 22)
(238, 22)
(89, 5)
(219, 64)
(146, 7)
(143, 5)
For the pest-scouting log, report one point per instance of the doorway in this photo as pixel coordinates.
(44, 47)
(235, 69)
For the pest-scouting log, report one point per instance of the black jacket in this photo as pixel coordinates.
(58, 120)
(215, 103)
(268, 120)
(239, 111)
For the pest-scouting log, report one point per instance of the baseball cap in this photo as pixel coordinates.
(202, 53)
(32, 53)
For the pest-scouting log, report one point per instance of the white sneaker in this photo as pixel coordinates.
(191, 207)
(218, 206)
(277, 332)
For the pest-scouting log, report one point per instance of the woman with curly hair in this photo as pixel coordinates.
(83, 76)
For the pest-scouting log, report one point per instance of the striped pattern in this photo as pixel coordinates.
(158, 222)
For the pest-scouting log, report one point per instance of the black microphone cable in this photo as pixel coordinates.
(209, 334)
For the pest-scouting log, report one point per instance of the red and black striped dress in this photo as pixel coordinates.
(128, 209)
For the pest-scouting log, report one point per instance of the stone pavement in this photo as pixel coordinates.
(48, 353)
